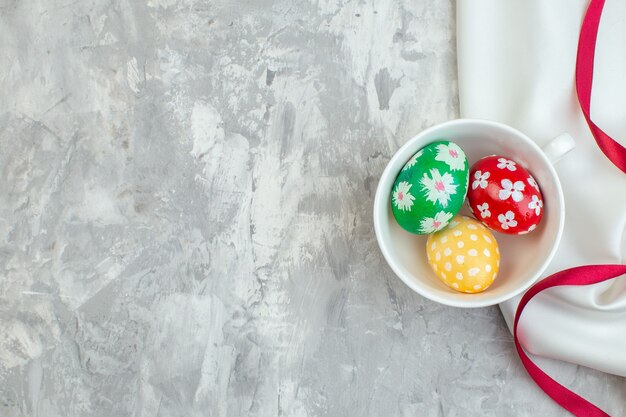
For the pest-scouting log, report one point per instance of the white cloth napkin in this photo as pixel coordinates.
(516, 62)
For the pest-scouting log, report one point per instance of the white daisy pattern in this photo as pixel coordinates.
(402, 197)
(504, 163)
(484, 210)
(507, 220)
(438, 187)
(535, 204)
(433, 224)
(452, 155)
(413, 160)
(480, 179)
(513, 190)
(533, 183)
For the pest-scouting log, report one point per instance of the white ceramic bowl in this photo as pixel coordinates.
(523, 258)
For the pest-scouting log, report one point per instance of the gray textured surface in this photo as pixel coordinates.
(185, 223)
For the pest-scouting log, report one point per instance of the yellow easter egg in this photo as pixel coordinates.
(464, 255)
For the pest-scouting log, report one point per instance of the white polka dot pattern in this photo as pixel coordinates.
(465, 256)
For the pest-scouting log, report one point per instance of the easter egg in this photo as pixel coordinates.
(504, 196)
(431, 187)
(464, 255)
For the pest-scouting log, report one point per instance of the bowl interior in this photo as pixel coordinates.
(523, 258)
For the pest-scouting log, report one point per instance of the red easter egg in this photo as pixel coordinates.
(504, 196)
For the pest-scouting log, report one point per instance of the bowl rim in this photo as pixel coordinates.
(381, 199)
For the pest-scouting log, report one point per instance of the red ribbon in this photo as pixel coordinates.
(583, 275)
(584, 81)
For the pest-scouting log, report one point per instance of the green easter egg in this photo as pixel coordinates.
(431, 188)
